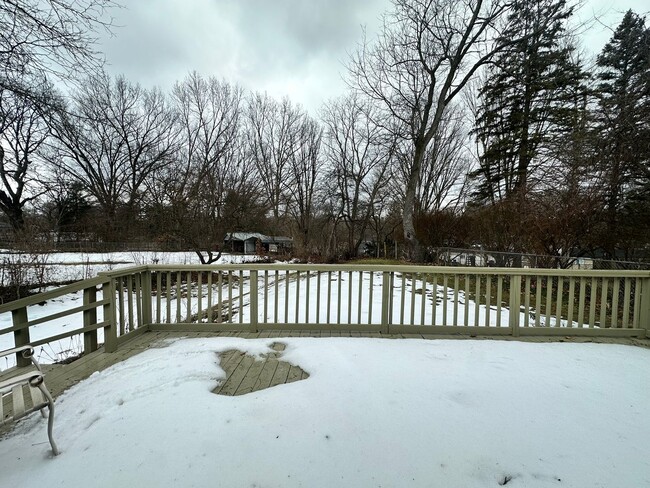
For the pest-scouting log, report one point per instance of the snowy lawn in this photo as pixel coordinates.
(374, 412)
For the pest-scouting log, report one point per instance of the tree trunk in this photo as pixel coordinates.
(408, 211)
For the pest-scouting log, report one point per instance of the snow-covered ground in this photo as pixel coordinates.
(374, 412)
(71, 266)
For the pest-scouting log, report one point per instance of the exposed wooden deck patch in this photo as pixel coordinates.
(246, 374)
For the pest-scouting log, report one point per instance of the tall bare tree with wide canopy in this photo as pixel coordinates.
(424, 56)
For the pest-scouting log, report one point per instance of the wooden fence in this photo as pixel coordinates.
(389, 299)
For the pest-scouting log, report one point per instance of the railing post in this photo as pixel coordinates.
(21, 337)
(386, 299)
(146, 297)
(110, 316)
(644, 311)
(515, 303)
(254, 301)
(90, 318)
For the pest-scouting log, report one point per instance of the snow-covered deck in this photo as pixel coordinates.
(371, 412)
(60, 377)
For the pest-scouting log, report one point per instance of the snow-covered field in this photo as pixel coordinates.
(374, 412)
(72, 266)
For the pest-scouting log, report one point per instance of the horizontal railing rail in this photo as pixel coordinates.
(389, 299)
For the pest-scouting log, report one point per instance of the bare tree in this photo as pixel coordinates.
(44, 38)
(426, 53)
(306, 168)
(273, 130)
(209, 189)
(359, 152)
(444, 166)
(23, 132)
(112, 139)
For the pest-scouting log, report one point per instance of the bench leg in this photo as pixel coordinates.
(50, 420)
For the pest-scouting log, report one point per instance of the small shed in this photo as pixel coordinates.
(247, 242)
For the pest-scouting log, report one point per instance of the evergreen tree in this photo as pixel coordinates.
(623, 132)
(527, 99)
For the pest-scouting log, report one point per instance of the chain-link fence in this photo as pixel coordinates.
(448, 256)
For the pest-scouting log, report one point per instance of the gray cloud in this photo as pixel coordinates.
(286, 47)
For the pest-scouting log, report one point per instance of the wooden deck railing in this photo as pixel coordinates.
(389, 299)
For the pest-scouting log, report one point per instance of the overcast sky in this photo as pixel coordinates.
(285, 47)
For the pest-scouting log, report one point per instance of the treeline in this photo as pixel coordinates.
(465, 125)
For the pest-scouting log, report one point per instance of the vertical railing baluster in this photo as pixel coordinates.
(158, 296)
(434, 297)
(286, 297)
(423, 298)
(240, 288)
(549, 301)
(386, 294)
(168, 297)
(559, 301)
(626, 302)
(147, 306)
(527, 302)
(220, 307)
(307, 283)
(349, 297)
(615, 291)
(581, 303)
(445, 294)
(90, 319)
(603, 301)
(359, 301)
(230, 297)
(110, 331)
(402, 304)
(129, 298)
(21, 336)
(318, 291)
(178, 296)
(638, 296)
(571, 301)
(120, 301)
(210, 313)
(370, 295)
(266, 296)
(477, 299)
(515, 303)
(188, 292)
(199, 297)
(254, 300)
(276, 299)
(466, 309)
(329, 296)
(488, 298)
(569, 313)
(414, 281)
(168, 303)
(499, 299)
(456, 286)
(296, 318)
(138, 298)
(593, 292)
(538, 299)
(338, 300)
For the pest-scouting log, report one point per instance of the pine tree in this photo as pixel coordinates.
(526, 100)
(623, 132)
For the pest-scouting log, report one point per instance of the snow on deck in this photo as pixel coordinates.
(373, 412)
